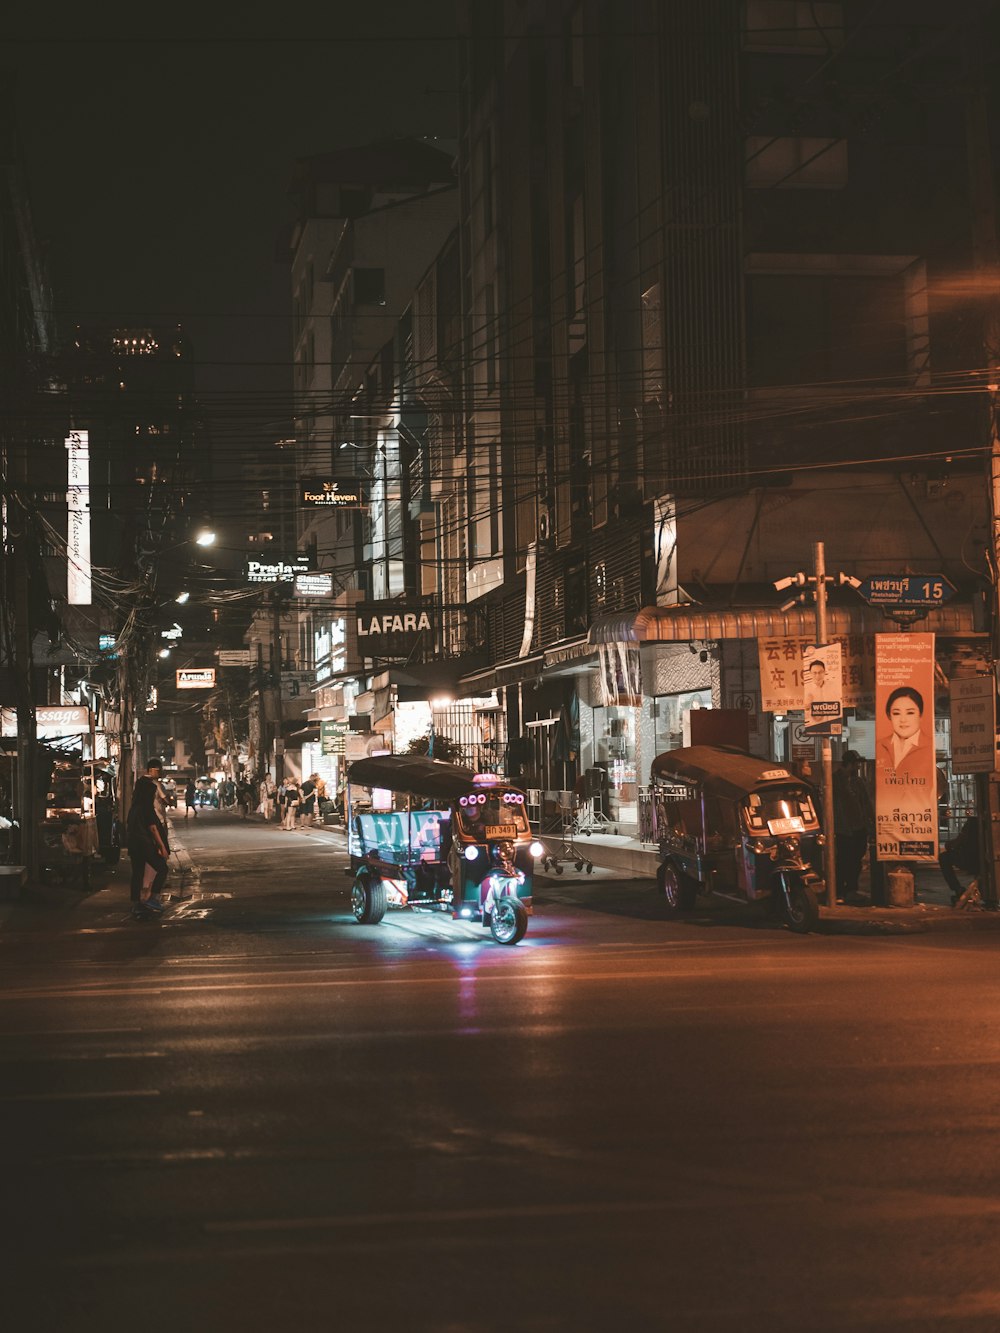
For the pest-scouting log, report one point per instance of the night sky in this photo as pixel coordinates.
(158, 162)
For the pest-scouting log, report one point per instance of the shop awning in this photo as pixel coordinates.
(504, 673)
(681, 624)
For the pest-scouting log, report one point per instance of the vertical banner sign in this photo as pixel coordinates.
(973, 724)
(905, 771)
(823, 689)
(78, 581)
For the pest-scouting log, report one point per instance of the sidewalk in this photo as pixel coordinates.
(932, 909)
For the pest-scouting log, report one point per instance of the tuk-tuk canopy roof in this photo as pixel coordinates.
(414, 774)
(722, 771)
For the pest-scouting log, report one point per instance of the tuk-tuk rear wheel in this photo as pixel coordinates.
(680, 891)
(368, 900)
(508, 920)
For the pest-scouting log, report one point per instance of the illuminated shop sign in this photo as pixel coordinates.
(55, 720)
(78, 576)
(319, 493)
(387, 629)
(195, 678)
(312, 584)
(276, 571)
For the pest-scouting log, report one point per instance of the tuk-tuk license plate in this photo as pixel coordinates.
(792, 825)
(501, 831)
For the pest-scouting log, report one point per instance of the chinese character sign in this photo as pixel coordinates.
(905, 771)
(783, 676)
(821, 664)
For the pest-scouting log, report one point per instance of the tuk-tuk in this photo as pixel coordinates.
(438, 837)
(744, 828)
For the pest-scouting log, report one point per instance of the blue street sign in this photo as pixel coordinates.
(924, 590)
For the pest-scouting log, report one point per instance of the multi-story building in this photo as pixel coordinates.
(707, 261)
(370, 221)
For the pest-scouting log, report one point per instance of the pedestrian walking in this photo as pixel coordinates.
(190, 793)
(147, 850)
(853, 820)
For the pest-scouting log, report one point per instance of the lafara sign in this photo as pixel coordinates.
(389, 629)
(905, 770)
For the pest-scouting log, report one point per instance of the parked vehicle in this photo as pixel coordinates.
(744, 828)
(471, 854)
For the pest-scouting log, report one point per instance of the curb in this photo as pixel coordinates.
(920, 920)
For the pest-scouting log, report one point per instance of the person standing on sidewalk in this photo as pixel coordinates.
(854, 820)
(190, 792)
(290, 797)
(147, 847)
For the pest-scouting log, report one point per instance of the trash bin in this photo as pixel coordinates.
(900, 881)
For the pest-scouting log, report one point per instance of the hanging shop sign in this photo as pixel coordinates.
(78, 568)
(277, 570)
(783, 674)
(973, 724)
(195, 678)
(50, 721)
(905, 768)
(332, 737)
(387, 629)
(325, 493)
(234, 657)
(312, 584)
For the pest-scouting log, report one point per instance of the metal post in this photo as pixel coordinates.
(826, 743)
(279, 740)
(27, 752)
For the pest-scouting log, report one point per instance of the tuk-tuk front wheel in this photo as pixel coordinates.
(680, 891)
(800, 904)
(508, 920)
(368, 900)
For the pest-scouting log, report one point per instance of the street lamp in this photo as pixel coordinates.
(205, 538)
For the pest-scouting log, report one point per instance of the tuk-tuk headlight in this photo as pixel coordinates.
(536, 849)
(471, 852)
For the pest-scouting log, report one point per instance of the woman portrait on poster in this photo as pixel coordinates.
(905, 750)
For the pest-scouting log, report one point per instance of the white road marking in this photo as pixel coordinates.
(79, 1096)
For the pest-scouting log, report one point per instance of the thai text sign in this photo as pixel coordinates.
(783, 677)
(332, 737)
(821, 701)
(195, 678)
(905, 771)
(973, 724)
(389, 629)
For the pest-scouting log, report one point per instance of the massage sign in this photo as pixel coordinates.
(387, 629)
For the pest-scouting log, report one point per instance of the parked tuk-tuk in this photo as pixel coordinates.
(741, 827)
(439, 837)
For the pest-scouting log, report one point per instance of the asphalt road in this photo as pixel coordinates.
(257, 1115)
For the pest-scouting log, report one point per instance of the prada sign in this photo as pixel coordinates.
(318, 493)
(276, 570)
(389, 629)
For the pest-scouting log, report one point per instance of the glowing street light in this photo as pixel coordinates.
(182, 597)
(205, 538)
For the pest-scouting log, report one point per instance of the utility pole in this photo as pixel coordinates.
(279, 739)
(819, 579)
(27, 803)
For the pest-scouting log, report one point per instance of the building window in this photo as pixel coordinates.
(808, 328)
(369, 286)
(796, 164)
